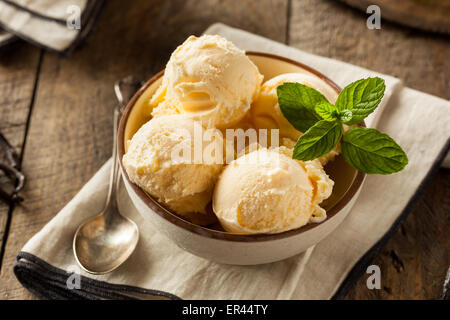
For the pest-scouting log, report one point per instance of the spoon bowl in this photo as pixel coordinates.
(105, 242)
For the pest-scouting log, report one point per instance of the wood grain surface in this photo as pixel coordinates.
(18, 73)
(68, 123)
(430, 15)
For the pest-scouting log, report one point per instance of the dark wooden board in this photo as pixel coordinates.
(413, 262)
(18, 72)
(332, 29)
(69, 132)
(431, 15)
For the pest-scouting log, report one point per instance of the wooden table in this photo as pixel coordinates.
(57, 112)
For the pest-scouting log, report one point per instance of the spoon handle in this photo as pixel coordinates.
(124, 90)
(114, 176)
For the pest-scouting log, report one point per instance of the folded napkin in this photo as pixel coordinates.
(419, 122)
(6, 38)
(45, 23)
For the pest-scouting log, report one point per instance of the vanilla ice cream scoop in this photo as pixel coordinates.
(266, 191)
(321, 182)
(168, 158)
(208, 79)
(265, 112)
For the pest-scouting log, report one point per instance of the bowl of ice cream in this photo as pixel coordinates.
(258, 205)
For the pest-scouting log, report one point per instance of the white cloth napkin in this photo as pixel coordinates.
(44, 22)
(417, 121)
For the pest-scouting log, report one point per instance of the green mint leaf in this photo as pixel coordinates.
(371, 151)
(297, 103)
(318, 140)
(326, 111)
(361, 97)
(345, 116)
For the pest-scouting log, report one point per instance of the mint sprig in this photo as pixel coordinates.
(367, 150)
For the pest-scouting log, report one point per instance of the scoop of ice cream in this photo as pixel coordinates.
(266, 191)
(209, 79)
(166, 160)
(265, 111)
(321, 182)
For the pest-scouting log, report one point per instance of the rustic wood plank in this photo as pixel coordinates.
(415, 260)
(334, 30)
(428, 15)
(18, 67)
(70, 146)
(70, 131)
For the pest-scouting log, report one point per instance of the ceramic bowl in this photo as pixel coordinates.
(220, 246)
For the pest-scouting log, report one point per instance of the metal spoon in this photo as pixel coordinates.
(104, 242)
